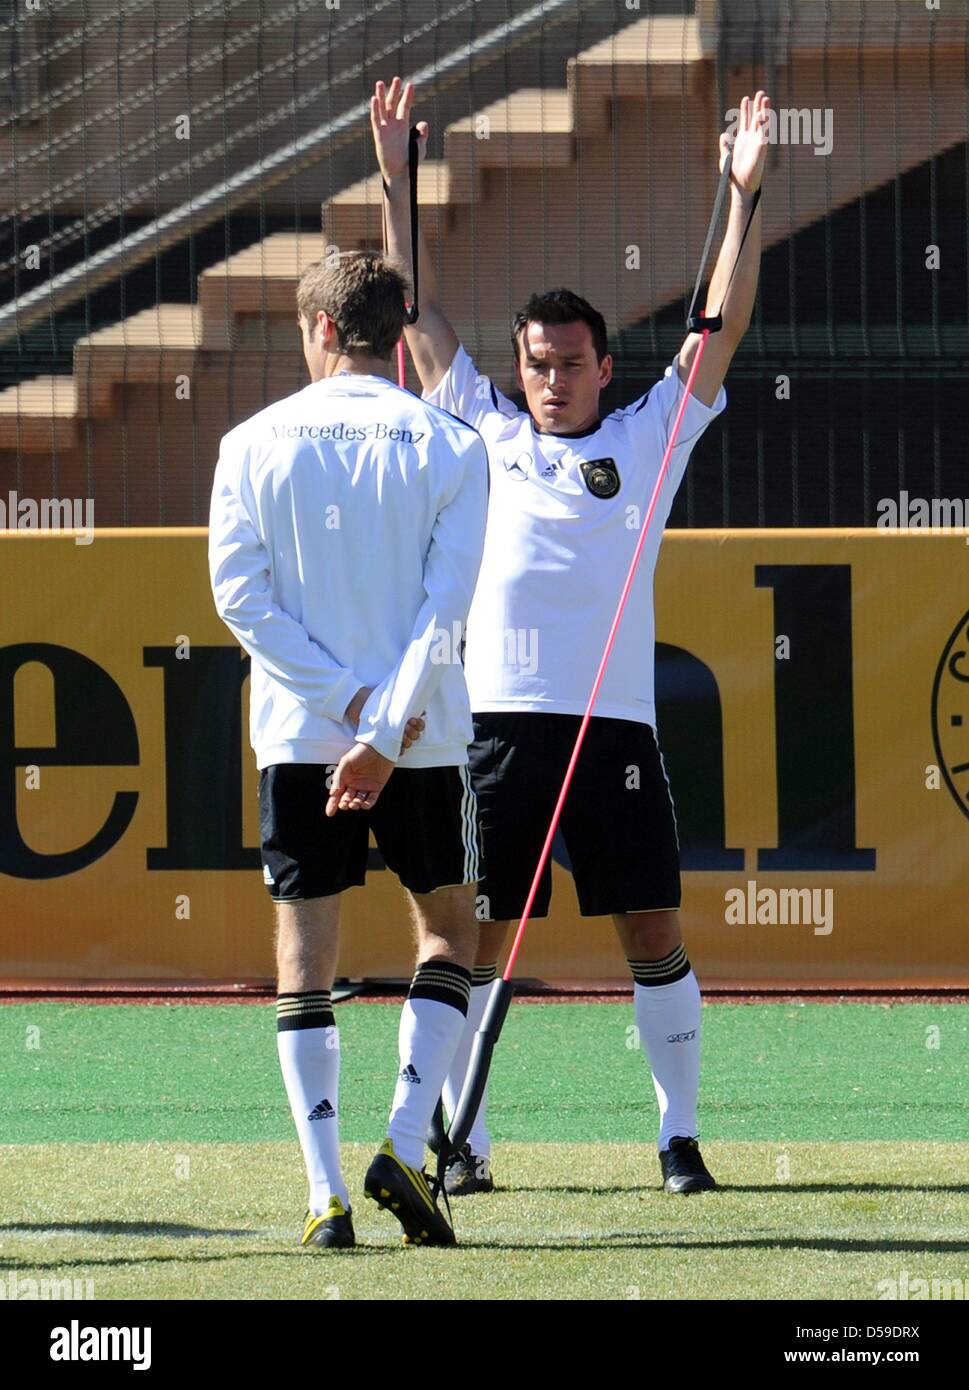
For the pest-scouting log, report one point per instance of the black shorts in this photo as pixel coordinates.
(425, 823)
(617, 822)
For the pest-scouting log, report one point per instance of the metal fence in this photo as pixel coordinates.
(144, 142)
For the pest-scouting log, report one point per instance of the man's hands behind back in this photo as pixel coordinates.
(362, 773)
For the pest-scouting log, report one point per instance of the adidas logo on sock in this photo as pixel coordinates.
(409, 1073)
(324, 1111)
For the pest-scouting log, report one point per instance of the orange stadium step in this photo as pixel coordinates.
(661, 57)
(354, 217)
(247, 300)
(40, 414)
(530, 129)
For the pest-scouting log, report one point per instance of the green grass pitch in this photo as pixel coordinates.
(148, 1152)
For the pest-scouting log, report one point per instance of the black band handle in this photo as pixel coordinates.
(413, 158)
(696, 321)
(444, 1142)
(479, 1063)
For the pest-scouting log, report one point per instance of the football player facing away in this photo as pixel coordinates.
(568, 491)
(346, 531)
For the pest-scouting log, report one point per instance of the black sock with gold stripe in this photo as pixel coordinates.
(443, 981)
(666, 971)
(313, 1008)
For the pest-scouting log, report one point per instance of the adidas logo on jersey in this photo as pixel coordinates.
(267, 875)
(324, 1111)
(408, 1073)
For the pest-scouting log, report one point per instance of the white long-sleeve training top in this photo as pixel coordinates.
(345, 534)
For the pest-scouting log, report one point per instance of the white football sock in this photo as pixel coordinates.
(478, 1136)
(431, 1023)
(310, 1062)
(668, 1019)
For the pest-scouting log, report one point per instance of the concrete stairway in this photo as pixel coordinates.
(604, 186)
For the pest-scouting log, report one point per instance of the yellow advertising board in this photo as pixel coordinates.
(813, 698)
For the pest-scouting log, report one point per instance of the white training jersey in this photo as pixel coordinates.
(564, 519)
(346, 530)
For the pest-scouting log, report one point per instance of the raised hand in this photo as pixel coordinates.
(390, 118)
(749, 144)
